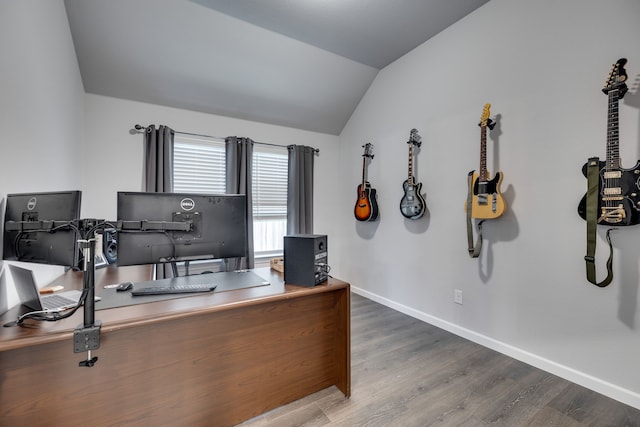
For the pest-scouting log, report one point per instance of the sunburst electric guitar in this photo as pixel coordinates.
(366, 208)
(412, 204)
(618, 189)
(486, 199)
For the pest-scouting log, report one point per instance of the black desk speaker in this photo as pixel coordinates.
(305, 259)
(110, 245)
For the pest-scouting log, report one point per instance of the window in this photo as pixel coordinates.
(269, 199)
(199, 167)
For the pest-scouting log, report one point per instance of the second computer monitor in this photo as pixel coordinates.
(167, 227)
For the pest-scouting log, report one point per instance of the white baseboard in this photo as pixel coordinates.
(613, 391)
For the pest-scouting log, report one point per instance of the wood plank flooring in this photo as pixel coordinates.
(408, 373)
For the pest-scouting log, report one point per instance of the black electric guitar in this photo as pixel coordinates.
(366, 208)
(618, 188)
(486, 199)
(412, 204)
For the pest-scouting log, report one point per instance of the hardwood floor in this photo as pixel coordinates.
(408, 373)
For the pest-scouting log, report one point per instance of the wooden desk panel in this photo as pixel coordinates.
(204, 360)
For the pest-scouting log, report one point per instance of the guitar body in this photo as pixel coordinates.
(486, 199)
(366, 208)
(629, 203)
(412, 204)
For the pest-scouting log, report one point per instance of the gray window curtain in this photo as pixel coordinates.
(300, 190)
(239, 161)
(158, 168)
(158, 159)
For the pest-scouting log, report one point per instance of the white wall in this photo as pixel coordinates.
(42, 98)
(41, 108)
(541, 65)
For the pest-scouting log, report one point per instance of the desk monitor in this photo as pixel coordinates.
(41, 228)
(171, 227)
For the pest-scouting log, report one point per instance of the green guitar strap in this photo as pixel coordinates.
(593, 178)
(474, 250)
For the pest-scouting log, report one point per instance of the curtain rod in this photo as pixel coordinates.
(142, 128)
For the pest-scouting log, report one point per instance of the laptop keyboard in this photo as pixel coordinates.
(51, 302)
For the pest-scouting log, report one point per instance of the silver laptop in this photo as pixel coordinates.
(29, 296)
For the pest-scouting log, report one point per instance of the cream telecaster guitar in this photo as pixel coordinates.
(486, 199)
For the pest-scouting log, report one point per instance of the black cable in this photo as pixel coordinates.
(16, 242)
(46, 316)
(56, 316)
(99, 226)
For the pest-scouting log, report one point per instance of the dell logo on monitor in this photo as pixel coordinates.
(31, 204)
(187, 204)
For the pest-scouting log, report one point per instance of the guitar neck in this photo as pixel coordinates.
(410, 178)
(613, 146)
(364, 159)
(483, 154)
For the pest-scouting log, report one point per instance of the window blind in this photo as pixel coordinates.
(198, 165)
(269, 183)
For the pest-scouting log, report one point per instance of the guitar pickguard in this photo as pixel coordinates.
(618, 196)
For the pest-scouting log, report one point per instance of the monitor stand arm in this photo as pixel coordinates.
(86, 337)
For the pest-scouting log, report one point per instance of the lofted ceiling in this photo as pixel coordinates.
(297, 63)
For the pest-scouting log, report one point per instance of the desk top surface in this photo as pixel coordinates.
(38, 332)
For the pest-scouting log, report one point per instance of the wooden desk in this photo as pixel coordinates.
(208, 360)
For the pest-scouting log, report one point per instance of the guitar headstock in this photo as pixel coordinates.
(617, 78)
(414, 138)
(368, 149)
(484, 118)
(485, 115)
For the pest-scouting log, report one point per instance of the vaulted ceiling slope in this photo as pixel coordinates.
(298, 63)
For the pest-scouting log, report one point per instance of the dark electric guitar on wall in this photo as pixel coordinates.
(618, 189)
(486, 199)
(366, 208)
(412, 204)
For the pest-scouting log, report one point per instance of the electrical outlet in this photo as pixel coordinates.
(457, 296)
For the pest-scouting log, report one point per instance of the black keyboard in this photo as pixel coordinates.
(167, 290)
